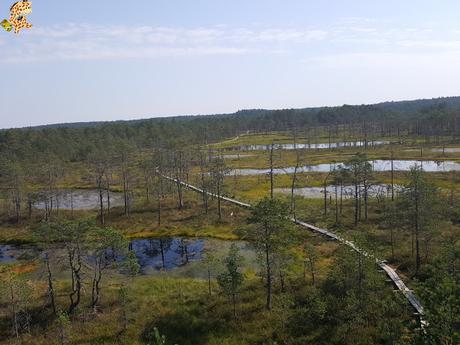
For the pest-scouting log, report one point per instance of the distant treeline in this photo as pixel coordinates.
(435, 117)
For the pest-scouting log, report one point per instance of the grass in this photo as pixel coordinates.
(180, 308)
(253, 139)
(191, 221)
(287, 158)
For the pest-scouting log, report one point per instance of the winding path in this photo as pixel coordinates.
(391, 273)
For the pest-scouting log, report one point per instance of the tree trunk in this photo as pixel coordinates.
(209, 282)
(269, 278)
(325, 197)
(417, 225)
(203, 183)
(14, 315)
(336, 205)
(366, 198)
(341, 198)
(71, 205)
(294, 180)
(271, 171)
(392, 244)
(125, 194)
(392, 178)
(159, 206)
(234, 304)
(107, 183)
(75, 266)
(312, 271)
(180, 194)
(360, 204)
(101, 205)
(50, 284)
(96, 289)
(282, 282)
(356, 199)
(29, 205)
(162, 251)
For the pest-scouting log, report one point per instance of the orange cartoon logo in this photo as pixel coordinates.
(18, 17)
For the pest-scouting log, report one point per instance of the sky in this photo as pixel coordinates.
(94, 60)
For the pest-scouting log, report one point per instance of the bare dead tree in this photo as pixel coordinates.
(293, 185)
(204, 182)
(180, 172)
(50, 292)
(272, 148)
(218, 170)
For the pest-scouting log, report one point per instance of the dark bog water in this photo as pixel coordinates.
(167, 253)
(181, 257)
(80, 199)
(11, 253)
(6, 254)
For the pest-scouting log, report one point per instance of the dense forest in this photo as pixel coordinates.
(437, 117)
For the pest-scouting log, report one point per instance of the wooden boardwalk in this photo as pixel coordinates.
(390, 272)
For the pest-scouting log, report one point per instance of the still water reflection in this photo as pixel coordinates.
(378, 166)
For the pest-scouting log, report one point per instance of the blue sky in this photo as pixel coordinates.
(88, 60)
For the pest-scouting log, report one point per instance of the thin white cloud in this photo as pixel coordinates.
(358, 20)
(388, 64)
(448, 44)
(98, 42)
(84, 41)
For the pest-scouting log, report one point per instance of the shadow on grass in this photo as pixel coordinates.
(40, 318)
(185, 327)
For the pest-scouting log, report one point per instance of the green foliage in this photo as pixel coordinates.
(131, 264)
(63, 323)
(421, 211)
(75, 142)
(420, 200)
(271, 236)
(63, 319)
(272, 225)
(16, 295)
(310, 308)
(441, 297)
(231, 279)
(360, 309)
(157, 338)
(65, 231)
(358, 166)
(100, 239)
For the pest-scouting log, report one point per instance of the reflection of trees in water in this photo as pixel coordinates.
(188, 249)
(182, 250)
(165, 246)
(165, 253)
(151, 248)
(157, 248)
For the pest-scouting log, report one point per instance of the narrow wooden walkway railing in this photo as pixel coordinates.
(391, 273)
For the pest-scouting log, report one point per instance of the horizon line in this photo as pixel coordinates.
(102, 122)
